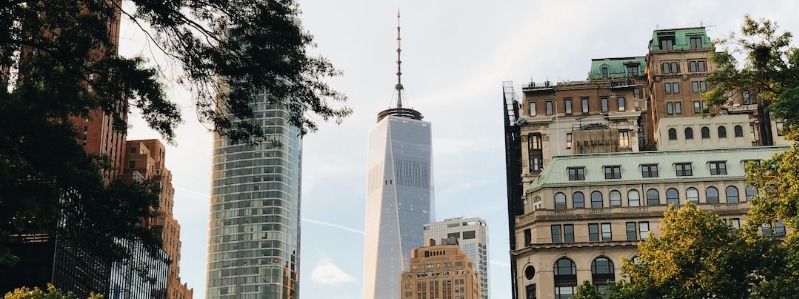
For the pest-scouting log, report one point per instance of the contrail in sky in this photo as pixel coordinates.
(333, 225)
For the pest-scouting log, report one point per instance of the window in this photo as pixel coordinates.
(738, 131)
(689, 133)
(731, 193)
(667, 42)
(620, 101)
(605, 72)
(632, 70)
(649, 170)
(584, 105)
(696, 42)
(615, 198)
(672, 197)
(529, 289)
(692, 195)
(604, 102)
(533, 111)
(560, 201)
(556, 236)
(132, 150)
(697, 66)
(612, 172)
(602, 273)
(745, 99)
(534, 140)
(675, 87)
(576, 173)
(652, 197)
(672, 134)
(637, 93)
(718, 167)
(565, 278)
(528, 237)
(750, 192)
(697, 106)
(677, 107)
(567, 106)
(578, 200)
(624, 138)
(779, 126)
(535, 154)
(670, 67)
(667, 88)
(631, 231)
(535, 164)
(722, 132)
(643, 229)
(568, 140)
(606, 233)
(596, 199)
(593, 232)
(698, 86)
(712, 195)
(735, 223)
(705, 133)
(669, 108)
(548, 106)
(779, 229)
(684, 169)
(568, 233)
(131, 164)
(633, 198)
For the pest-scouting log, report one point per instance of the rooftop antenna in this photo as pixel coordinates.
(399, 87)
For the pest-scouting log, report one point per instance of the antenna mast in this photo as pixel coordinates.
(399, 87)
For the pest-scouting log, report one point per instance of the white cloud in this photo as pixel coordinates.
(326, 272)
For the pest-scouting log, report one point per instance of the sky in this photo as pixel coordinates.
(455, 55)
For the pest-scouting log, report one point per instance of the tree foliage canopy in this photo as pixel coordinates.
(37, 293)
(58, 61)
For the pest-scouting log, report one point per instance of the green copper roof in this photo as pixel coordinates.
(680, 39)
(556, 173)
(616, 67)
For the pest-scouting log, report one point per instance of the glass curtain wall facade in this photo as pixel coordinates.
(399, 198)
(254, 230)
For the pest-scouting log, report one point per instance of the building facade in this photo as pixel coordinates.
(148, 159)
(440, 271)
(586, 213)
(254, 230)
(472, 236)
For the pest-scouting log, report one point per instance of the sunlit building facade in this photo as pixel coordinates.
(472, 236)
(254, 231)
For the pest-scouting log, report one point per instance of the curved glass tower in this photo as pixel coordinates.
(399, 196)
(254, 231)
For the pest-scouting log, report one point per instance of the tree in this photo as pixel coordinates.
(58, 60)
(770, 67)
(36, 293)
(696, 256)
(587, 291)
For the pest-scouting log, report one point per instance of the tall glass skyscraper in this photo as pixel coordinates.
(254, 231)
(399, 197)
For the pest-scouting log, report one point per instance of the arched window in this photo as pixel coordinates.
(602, 273)
(712, 195)
(565, 278)
(578, 200)
(560, 201)
(739, 131)
(722, 132)
(692, 195)
(672, 134)
(615, 198)
(750, 192)
(672, 197)
(689, 133)
(633, 198)
(732, 194)
(652, 197)
(596, 199)
(705, 133)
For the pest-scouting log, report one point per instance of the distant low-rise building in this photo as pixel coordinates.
(440, 271)
(472, 236)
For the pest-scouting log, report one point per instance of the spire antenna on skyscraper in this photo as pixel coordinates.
(398, 87)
